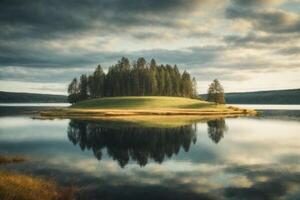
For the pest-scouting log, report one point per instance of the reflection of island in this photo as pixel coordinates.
(131, 143)
(216, 129)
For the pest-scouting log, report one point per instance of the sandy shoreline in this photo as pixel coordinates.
(72, 112)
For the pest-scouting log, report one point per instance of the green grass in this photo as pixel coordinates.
(145, 102)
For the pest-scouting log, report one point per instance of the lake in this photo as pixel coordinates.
(233, 158)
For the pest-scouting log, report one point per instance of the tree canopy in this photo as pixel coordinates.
(137, 79)
(215, 92)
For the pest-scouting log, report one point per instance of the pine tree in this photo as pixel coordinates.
(194, 94)
(83, 87)
(153, 80)
(98, 82)
(73, 91)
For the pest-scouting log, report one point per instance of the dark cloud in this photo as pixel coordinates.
(44, 19)
(29, 62)
(255, 2)
(27, 25)
(42, 35)
(290, 51)
(267, 20)
(254, 40)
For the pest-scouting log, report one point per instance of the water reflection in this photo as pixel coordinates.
(216, 129)
(131, 143)
(258, 158)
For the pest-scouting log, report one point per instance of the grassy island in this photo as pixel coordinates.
(145, 106)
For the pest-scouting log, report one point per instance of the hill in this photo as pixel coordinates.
(128, 107)
(291, 96)
(143, 102)
(17, 97)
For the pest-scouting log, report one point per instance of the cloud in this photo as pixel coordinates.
(254, 40)
(48, 19)
(277, 182)
(256, 2)
(269, 20)
(290, 51)
(210, 37)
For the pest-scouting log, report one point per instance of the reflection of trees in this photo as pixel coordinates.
(216, 129)
(131, 143)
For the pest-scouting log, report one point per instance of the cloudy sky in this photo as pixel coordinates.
(248, 44)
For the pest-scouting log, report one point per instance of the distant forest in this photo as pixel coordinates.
(137, 79)
(291, 96)
(18, 97)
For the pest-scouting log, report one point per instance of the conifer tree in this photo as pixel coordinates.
(73, 91)
(83, 87)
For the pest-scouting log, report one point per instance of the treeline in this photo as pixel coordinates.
(21, 97)
(137, 79)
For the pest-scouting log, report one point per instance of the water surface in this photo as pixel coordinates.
(237, 158)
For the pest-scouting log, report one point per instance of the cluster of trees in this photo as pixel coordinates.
(137, 79)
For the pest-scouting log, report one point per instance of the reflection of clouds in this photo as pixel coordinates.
(255, 160)
(24, 129)
(268, 182)
(16, 122)
(252, 141)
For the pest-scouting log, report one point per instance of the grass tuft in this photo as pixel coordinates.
(11, 159)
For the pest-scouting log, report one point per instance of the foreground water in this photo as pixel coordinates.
(238, 158)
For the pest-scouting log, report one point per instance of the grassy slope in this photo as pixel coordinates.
(150, 110)
(149, 102)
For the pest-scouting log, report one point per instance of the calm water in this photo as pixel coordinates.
(238, 158)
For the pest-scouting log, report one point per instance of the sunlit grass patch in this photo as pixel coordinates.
(23, 187)
(143, 102)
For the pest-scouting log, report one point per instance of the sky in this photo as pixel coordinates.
(248, 45)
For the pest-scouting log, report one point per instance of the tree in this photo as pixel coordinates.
(153, 80)
(73, 91)
(83, 87)
(176, 81)
(98, 82)
(216, 92)
(194, 94)
(186, 85)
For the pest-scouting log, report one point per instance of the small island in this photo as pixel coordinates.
(142, 89)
